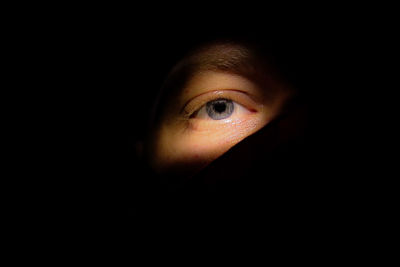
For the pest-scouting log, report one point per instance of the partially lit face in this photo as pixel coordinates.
(223, 99)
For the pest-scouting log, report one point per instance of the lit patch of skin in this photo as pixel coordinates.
(184, 141)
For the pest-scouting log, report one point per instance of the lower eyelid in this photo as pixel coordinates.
(229, 125)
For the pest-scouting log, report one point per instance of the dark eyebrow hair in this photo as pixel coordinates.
(225, 57)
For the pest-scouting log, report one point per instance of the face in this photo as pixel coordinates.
(225, 95)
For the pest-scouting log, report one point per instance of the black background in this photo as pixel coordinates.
(97, 71)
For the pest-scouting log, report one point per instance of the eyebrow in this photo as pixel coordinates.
(230, 58)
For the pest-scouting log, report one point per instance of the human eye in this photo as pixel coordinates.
(220, 108)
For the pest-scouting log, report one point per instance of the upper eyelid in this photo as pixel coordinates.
(231, 94)
(213, 91)
(207, 82)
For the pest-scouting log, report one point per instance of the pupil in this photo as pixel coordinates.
(220, 107)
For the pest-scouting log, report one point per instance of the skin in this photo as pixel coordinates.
(187, 139)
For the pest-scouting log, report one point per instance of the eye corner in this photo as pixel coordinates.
(193, 114)
(253, 110)
(186, 112)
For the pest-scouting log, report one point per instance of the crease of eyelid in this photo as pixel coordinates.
(237, 96)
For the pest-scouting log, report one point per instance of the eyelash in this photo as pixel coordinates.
(237, 97)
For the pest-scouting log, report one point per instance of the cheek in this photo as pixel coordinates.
(203, 141)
